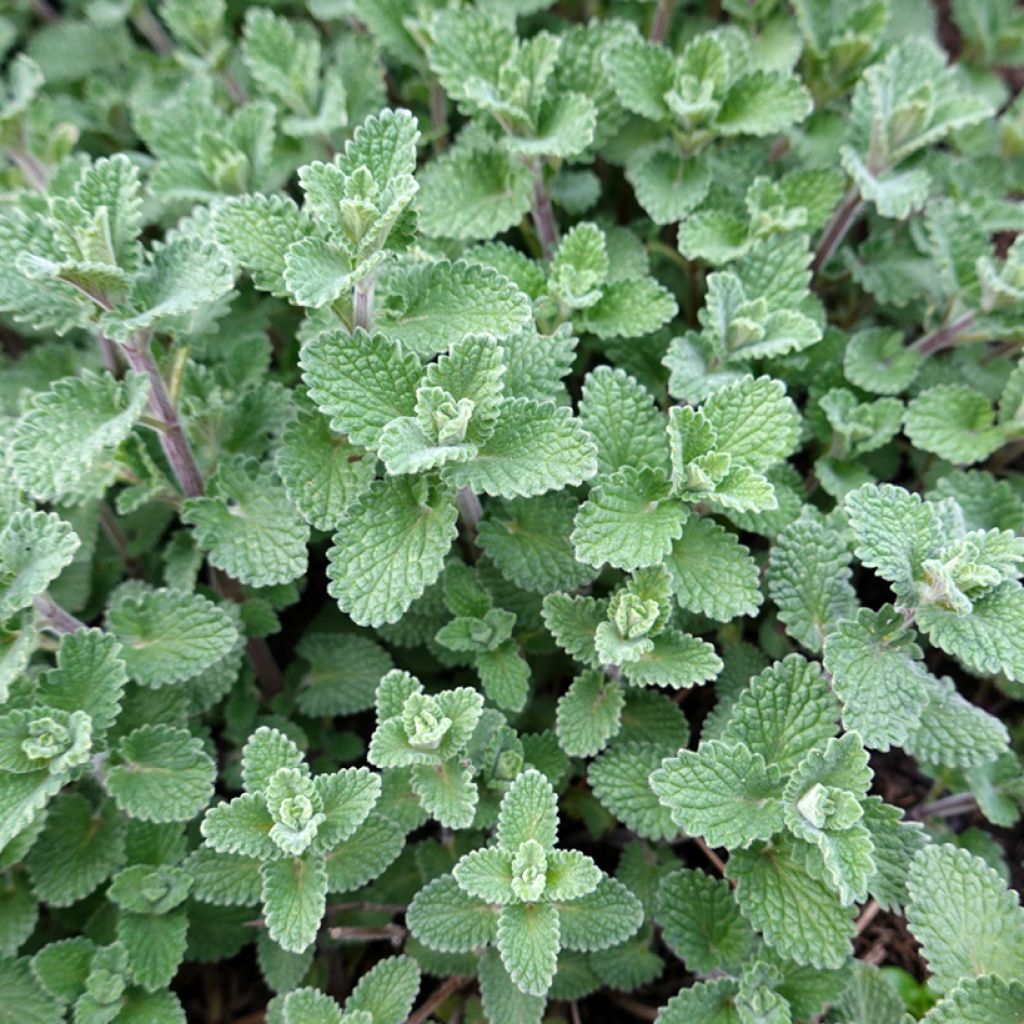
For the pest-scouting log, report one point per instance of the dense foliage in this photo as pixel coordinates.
(514, 493)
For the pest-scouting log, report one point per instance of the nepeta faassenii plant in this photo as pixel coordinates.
(511, 512)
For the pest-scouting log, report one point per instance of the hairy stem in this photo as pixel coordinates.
(443, 992)
(947, 807)
(108, 353)
(362, 304)
(45, 10)
(438, 116)
(56, 619)
(470, 513)
(32, 168)
(257, 650)
(543, 215)
(837, 228)
(173, 440)
(944, 337)
(114, 533)
(393, 933)
(662, 19)
(154, 33)
(868, 914)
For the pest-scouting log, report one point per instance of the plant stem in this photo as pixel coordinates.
(393, 933)
(114, 533)
(661, 20)
(108, 353)
(55, 618)
(436, 998)
(45, 10)
(947, 807)
(149, 27)
(836, 229)
(362, 304)
(438, 115)
(868, 914)
(257, 650)
(173, 440)
(944, 337)
(32, 168)
(635, 1008)
(470, 512)
(543, 215)
(183, 462)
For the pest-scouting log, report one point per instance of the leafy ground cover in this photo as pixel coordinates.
(511, 512)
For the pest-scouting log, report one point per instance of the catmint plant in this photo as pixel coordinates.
(511, 512)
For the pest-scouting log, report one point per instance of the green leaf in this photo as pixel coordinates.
(879, 361)
(629, 520)
(619, 780)
(528, 941)
(953, 731)
(487, 875)
(390, 548)
(502, 999)
(168, 636)
(62, 967)
(572, 621)
(798, 915)
(987, 641)
(348, 796)
(877, 674)
(365, 854)
(968, 923)
(294, 898)
(447, 792)
(23, 1000)
(642, 73)
(822, 806)
(710, 1002)
(494, 190)
(90, 676)
(701, 922)
(754, 421)
(183, 276)
(763, 104)
(241, 826)
(895, 532)
(78, 849)
(536, 447)
(589, 714)
(809, 581)
(430, 306)
(619, 413)
(787, 710)
(225, 879)
(444, 918)
(895, 194)
(343, 673)
(667, 185)
(248, 526)
(265, 752)
(676, 659)
(258, 231)
(955, 422)
(986, 1000)
(34, 548)
(628, 309)
(712, 572)
(601, 919)
(721, 791)
(387, 990)
(309, 1006)
(528, 540)
(529, 810)
(63, 445)
(155, 944)
(360, 382)
(161, 774)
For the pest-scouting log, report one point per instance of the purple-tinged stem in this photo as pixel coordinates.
(362, 304)
(842, 220)
(149, 27)
(55, 618)
(543, 215)
(944, 337)
(45, 10)
(470, 512)
(662, 19)
(947, 807)
(32, 168)
(175, 444)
